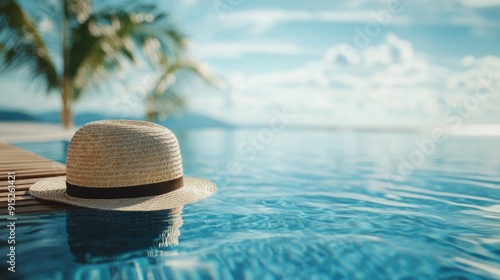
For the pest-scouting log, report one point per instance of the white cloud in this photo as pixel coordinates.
(473, 20)
(468, 60)
(262, 20)
(424, 12)
(338, 53)
(474, 70)
(190, 3)
(233, 49)
(480, 3)
(386, 84)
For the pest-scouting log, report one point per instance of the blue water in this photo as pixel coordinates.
(303, 205)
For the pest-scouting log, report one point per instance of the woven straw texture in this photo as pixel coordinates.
(107, 154)
(122, 153)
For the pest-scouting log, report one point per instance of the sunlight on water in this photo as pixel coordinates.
(308, 204)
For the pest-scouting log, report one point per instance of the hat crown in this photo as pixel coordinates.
(120, 153)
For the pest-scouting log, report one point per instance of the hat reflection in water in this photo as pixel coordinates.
(97, 236)
(124, 165)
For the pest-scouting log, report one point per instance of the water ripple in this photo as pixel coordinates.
(313, 205)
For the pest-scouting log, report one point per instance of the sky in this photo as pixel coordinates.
(328, 63)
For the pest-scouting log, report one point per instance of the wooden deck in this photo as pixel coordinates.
(28, 168)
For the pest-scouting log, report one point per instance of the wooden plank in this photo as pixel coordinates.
(11, 166)
(29, 168)
(42, 208)
(20, 182)
(32, 202)
(23, 181)
(23, 160)
(20, 195)
(40, 174)
(20, 188)
(28, 162)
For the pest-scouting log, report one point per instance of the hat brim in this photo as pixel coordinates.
(194, 189)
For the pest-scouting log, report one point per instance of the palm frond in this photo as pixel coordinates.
(107, 39)
(164, 99)
(159, 106)
(182, 65)
(23, 45)
(158, 43)
(82, 9)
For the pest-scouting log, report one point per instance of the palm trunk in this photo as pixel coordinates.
(150, 111)
(66, 114)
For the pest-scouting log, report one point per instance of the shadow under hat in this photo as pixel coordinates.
(96, 236)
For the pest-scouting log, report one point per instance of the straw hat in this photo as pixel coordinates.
(124, 165)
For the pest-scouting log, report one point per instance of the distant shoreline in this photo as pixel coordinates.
(22, 131)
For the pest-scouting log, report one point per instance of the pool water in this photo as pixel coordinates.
(298, 204)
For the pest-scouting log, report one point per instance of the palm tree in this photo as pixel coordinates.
(164, 98)
(93, 45)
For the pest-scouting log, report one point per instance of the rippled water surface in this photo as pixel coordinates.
(297, 205)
